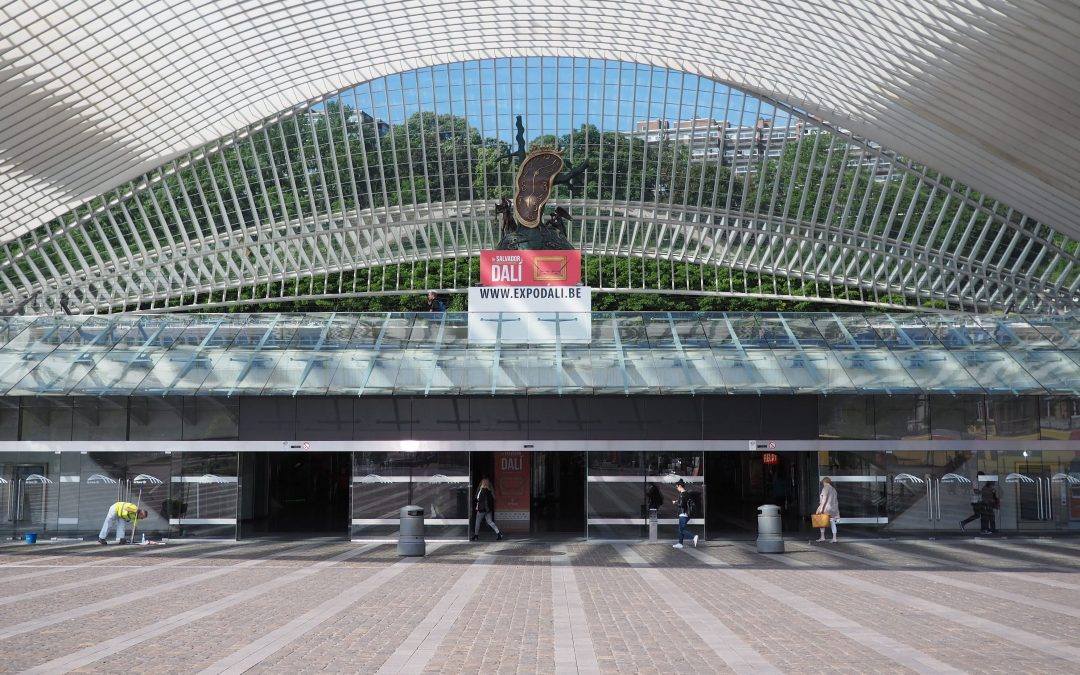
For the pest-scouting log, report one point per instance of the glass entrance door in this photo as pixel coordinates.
(558, 493)
(932, 491)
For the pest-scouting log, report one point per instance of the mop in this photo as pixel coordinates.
(135, 524)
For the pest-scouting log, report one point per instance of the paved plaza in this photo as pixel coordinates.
(1008, 605)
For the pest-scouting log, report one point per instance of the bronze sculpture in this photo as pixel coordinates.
(521, 219)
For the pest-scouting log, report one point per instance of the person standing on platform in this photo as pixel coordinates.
(685, 505)
(829, 504)
(435, 303)
(120, 513)
(485, 509)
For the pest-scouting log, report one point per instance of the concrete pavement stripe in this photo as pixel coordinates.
(986, 569)
(146, 592)
(414, 653)
(1015, 635)
(957, 583)
(90, 563)
(891, 649)
(85, 657)
(39, 558)
(258, 651)
(574, 651)
(956, 546)
(127, 573)
(731, 649)
(1053, 555)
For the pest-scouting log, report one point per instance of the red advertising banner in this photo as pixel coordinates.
(530, 268)
(513, 491)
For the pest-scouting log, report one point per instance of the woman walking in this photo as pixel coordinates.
(828, 504)
(485, 509)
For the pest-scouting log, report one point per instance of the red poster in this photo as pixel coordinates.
(530, 268)
(513, 491)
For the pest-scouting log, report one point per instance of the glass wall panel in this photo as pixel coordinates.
(846, 417)
(208, 418)
(860, 482)
(204, 498)
(384, 482)
(617, 502)
(623, 486)
(45, 419)
(97, 480)
(1059, 418)
(155, 419)
(1013, 417)
(9, 419)
(957, 417)
(901, 417)
(99, 419)
(29, 490)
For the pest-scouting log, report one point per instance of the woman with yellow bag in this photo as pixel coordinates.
(828, 510)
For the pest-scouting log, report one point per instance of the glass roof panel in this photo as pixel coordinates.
(312, 356)
(192, 356)
(423, 354)
(994, 368)
(124, 366)
(863, 354)
(76, 356)
(26, 350)
(933, 367)
(1035, 353)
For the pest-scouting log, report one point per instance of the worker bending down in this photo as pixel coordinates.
(120, 513)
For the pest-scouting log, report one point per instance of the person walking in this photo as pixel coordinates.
(485, 509)
(828, 504)
(685, 505)
(990, 504)
(120, 513)
(976, 505)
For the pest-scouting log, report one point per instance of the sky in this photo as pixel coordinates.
(554, 95)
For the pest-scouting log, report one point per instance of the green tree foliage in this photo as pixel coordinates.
(335, 159)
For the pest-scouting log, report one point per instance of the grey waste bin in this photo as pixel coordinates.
(770, 538)
(652, 524)
(411, 532)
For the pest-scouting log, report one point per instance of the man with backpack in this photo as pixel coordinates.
(686, 504)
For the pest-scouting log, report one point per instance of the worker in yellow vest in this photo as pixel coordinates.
(120, 513)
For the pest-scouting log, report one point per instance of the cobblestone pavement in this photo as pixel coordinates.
(963, 605)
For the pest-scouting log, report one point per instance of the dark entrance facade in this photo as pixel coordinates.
(294, 493)
(537, 493)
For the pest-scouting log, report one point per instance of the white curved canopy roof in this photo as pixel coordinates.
(96, 93)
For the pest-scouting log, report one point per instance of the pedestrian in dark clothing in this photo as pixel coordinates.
(990, 504)
(435, 303)
(685, 504)
(653, 498)
(485, 509)
(976, 504)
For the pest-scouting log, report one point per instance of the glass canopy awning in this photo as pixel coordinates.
(408, 353)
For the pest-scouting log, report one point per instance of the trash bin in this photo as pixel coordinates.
(411, 532)
(652, 524)
(770, 538)
(30, 537)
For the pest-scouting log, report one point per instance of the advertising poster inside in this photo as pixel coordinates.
(512, 490)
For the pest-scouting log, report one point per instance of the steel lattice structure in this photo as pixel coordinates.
(389, 187)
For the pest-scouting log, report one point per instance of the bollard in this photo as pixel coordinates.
(411, 532)
(770, 538)
(652, 524)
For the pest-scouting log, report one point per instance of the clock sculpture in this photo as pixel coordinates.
(522, 219)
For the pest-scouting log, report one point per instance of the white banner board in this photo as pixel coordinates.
(535, 315)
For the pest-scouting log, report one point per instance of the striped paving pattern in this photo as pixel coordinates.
(571, 607)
